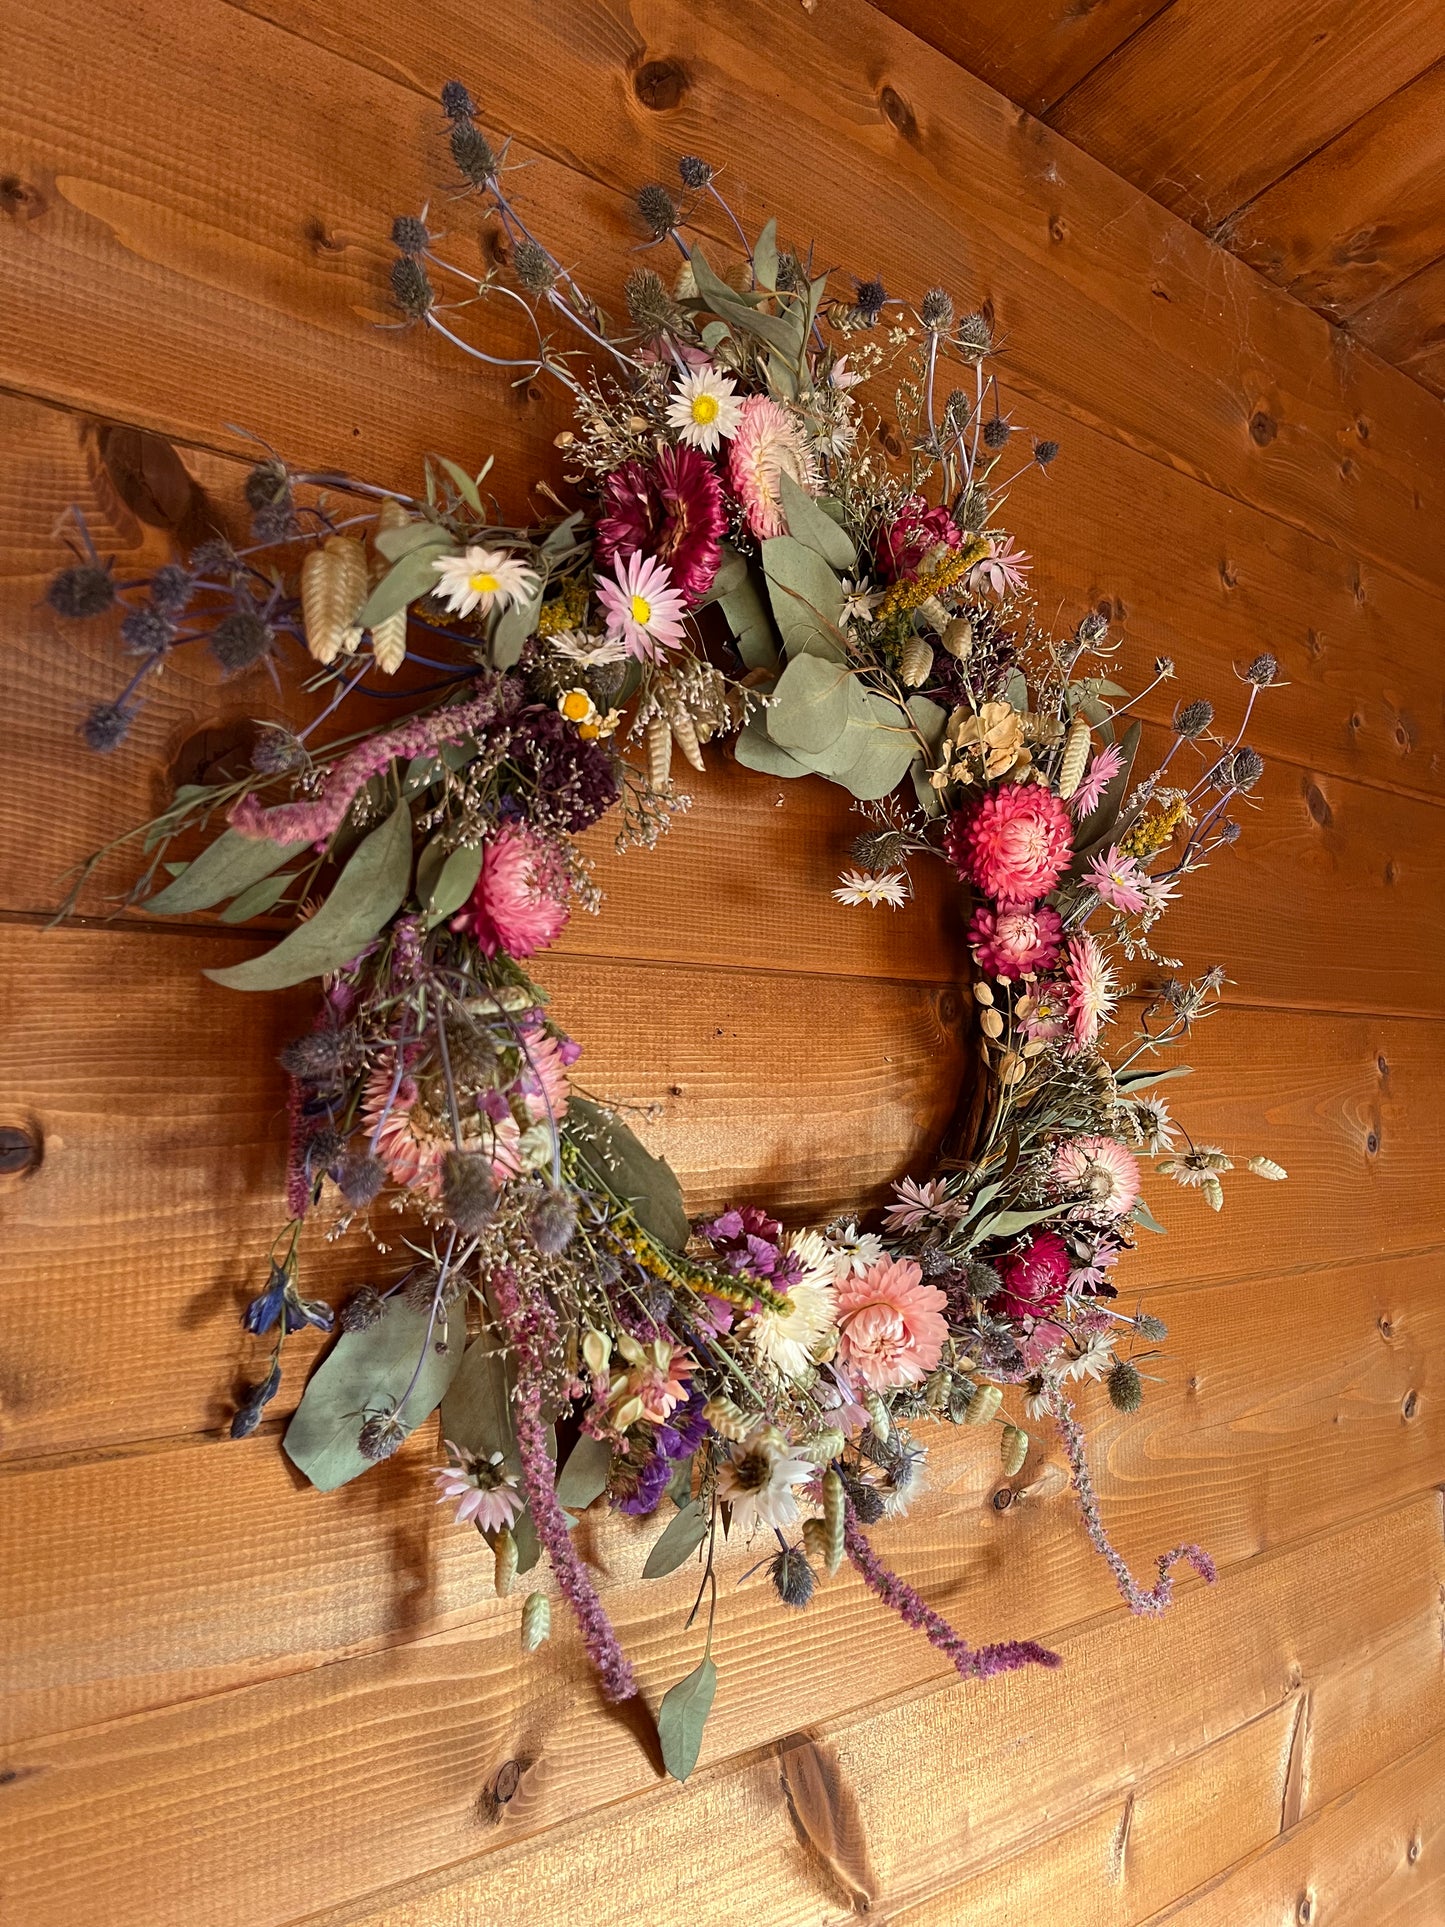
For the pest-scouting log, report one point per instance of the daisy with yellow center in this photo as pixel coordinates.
(480, 580)
(704, 409)
(578, 707)
(644, 611)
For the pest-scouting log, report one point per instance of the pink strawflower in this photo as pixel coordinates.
(1035, 1276)
(1118, 880)
(920, 1204)
(520, 903)
(1100, 1172)
(1007, 943)
(671, 509)
(891, 1325)
(1091, 989)
(915, 531)
(768, 445)
(1097, 778)
(644, 611)
(488, 1495)
(1003, 569)
(1013, 844)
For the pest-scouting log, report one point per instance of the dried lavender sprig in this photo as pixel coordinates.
(971, 1663)
(1159, 1595)
(531, 1330)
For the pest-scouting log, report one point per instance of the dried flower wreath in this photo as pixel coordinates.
(723, 1377)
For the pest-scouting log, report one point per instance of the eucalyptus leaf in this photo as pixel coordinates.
(368, 1373)
(814, 527)
(778, 331)
(929, 800)
(429, 867)
(732, 573)
(405, 582)
(746, 614)
(454, 884)
(806, 596)
(367, 894)
(1007, 1224)
(463, 483)
(756, 750)
(681, 1538)
(584, 1477)
(714, 334)
(395, 543)
(1137, 1080)
(882, 747)
(682, 1717)
(260, 898)
(810, 705)
(647, 1183)
(564, 536)
(1143, 1215)
(514, 626)
(930, 720)
(223, 869)
(765, 257)
(477, 1408)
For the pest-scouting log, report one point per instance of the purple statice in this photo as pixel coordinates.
(650, 1482)
(1157, 1597)
(971, 1663)
(685, 1431)
(750, 1244)
(575, 778)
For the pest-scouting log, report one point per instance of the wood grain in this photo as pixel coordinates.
(1361, 214)
(1319, 66)
(1405, 325)
(1181, 374)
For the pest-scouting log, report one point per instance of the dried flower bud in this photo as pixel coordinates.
(551, 1222)
(695, 172)
(1262, 671)
(240, 640)
(793, 1577)
(1093, 629)
(457, 103)
(652, 308)
(971, 510)
(320, 1056)
(409, 235)
(472, 152)
(276, 750)
(935, 311)
(1046, 452)
(536, 1621)
(879, 850)
(1229, 832)
(172, 586)
(323, 1149)
(107, 726)
(248, 1415)
(362, 1309)
(267, 485)
(957, 411)
(410, 288)
(975, 337)
(215, 557)
(872, 299)
(1192, 719)
(359, 1177)
(596, 1351)
(420, 1289)
(791, 278)
(658, 210)
(469, 1192)
(380, 1436)
(533, 267)
(1154, 1329)
(82, 591)
(1126, 1388)
(996, 432)
(1246, 768)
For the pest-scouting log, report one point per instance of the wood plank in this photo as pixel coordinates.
(1179, 377)
(1406, 326)
(1033, 53)
(170, 1804)
(1320, 66)
(139, 1578)
(1361, 214)
(1378, 1851)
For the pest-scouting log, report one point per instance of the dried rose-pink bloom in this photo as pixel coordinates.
(891, 1325)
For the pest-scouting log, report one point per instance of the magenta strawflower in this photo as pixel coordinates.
(1009, 943)
(519, 904)
(1013, 844)
(1035, 1276)
(912, 534)
(672, 510)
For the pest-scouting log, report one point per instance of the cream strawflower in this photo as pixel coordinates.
(757, 1478)
(581, 646)
(704, 410)
(858, 887)
(794, 1338)
(483, 579)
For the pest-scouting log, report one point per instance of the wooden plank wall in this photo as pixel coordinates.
(232, 1701)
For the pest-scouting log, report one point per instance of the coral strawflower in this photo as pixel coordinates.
(768, 444)
(891, 1325)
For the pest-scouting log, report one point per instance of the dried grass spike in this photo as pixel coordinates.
(835, 1518)
(684, 734)
(1076, 757)
(334, 584)
(982, 1406)
(1013, 1449)
(659, 751)
(505, 1548)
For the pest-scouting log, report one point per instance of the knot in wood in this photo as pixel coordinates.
(898, 114)
(22, 1148)
(660, 85)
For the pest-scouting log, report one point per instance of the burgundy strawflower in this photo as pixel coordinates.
(671, 510)
(907, 539)
(1035, 1276)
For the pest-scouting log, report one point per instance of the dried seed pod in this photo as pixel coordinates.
(915, 662)
(659, 750)
(934, 614)
(536, 1621)
(957, 638)
(1013, 1449)
(815, 1539)
(984, 1403)
(1267, 1168)
(684, 734)
(727, 1420)
(991, 1023)
(823, 1447)
(504, 1546)
(835, 1513)
(334, 584)
(388, 637)
(1011, 1068)
(1076, 756)
(983, 992)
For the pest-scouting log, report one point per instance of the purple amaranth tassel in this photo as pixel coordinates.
(981, 1663)
(532, 1332)
(1159, 1595)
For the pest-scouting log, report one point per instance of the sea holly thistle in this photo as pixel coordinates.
(756, 548)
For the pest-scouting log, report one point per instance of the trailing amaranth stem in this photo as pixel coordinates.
(1159, 1595)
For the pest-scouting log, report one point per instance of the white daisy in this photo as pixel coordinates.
(704, 410)
(854, 1251)
(580, 645)
(859, 601)
(1092, 1359)
(1151, 1124)
(757, 1478)
(859, 888)
(919, 1203)
(484, 579)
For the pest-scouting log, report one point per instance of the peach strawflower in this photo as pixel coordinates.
(891, 1325)
(767, 444)
(1091, 989)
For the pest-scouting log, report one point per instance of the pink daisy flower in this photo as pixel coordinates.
(1118, 880)
(1002, 570)
(1101, 1173)
(1092, 990)
(768, 444)
(486, 1492)
(520, 903)
(920, 1203)
(1013, 844)
(1007, 943)
(644, 611)
(1097, 778)
(891, 1326)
